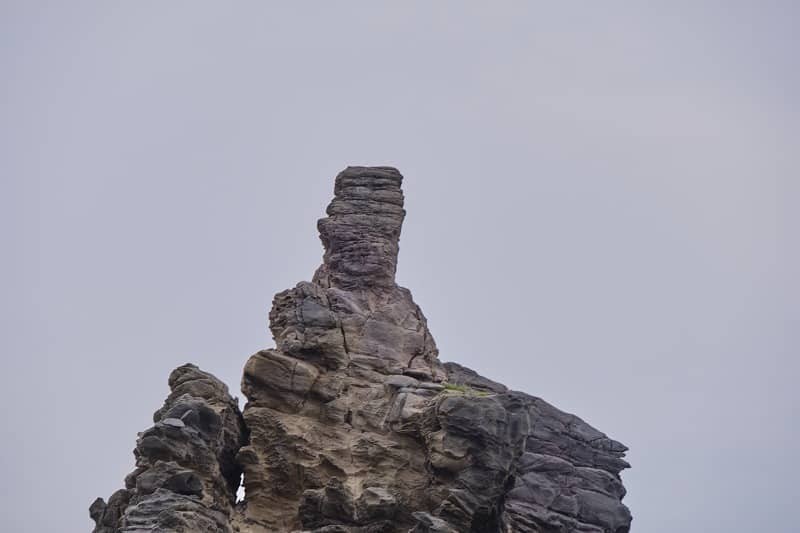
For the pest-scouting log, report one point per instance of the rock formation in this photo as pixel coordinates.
(353, 425)
(186, 471)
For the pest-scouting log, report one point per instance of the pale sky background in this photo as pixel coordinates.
(602, 211)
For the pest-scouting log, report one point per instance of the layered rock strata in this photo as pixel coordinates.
(353, 425)
(186, 473)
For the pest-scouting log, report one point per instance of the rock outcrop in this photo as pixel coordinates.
(352, 424)
(186, 473)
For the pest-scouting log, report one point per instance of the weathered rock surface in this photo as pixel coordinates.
(353, 425)
(186, 474)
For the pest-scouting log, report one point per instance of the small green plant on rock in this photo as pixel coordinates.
(463, 389)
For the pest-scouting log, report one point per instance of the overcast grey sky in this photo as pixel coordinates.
(603, 211)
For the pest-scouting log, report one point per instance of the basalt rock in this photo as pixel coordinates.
(353, 425)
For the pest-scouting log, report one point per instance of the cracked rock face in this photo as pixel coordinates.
(186, 474)
(353, 425)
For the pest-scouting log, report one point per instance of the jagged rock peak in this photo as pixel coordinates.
(353, 425)
(186, 473)
(362, 229)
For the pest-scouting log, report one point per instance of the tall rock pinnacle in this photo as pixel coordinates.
(362, 229)
(353, 425)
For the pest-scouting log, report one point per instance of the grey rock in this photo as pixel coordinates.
(362, 230)
(375, 504)
(428, 523)
(430, 386)
(348, 427)
(399, 382)
(186, 475)
(174, 422)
